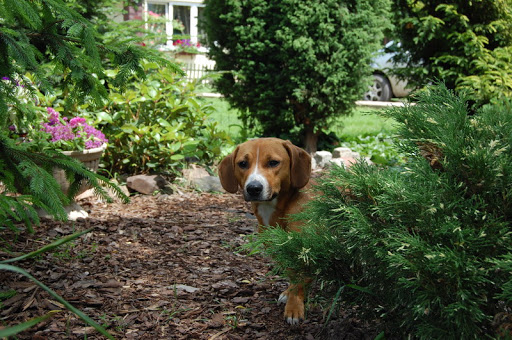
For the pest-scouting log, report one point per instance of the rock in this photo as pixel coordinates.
(322, 158)
(343, 162)
(201, 180)
(208, 184)
(341, 156)
(344, 152)
(194, 173)
(146, 184)
(337, 161)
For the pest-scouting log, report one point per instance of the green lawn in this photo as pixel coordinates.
(361, 123)
(226, 116)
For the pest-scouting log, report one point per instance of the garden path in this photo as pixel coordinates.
(161, 267)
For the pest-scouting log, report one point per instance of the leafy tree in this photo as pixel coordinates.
(425, 248)
(295, 64)
(466, 44)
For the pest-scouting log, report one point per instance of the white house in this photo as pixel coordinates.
(187, 14)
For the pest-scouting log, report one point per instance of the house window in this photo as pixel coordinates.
(182, 20)
(159, 12)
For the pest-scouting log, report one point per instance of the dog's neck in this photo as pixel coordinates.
(274, 212)
(264, 211)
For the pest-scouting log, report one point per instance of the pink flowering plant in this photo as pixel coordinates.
(70, 134)
(186, 45)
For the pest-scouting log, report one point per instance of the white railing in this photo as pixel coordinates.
(197, 71)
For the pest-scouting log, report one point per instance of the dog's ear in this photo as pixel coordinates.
(300, 165)
(227, 173)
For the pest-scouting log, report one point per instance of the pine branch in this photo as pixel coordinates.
(32, 173)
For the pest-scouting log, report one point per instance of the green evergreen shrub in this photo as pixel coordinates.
(426, 247)
(294, 65)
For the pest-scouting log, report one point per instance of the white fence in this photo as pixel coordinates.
(197, 71)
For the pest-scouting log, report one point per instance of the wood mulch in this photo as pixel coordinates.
(160, 267)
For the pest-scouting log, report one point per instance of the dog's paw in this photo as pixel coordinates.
(294, 309)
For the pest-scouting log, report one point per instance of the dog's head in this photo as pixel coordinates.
(265, 167)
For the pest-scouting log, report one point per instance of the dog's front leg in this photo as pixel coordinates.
(294, 299)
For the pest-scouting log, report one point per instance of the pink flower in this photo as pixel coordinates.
(74, 122)
(53, 116)
(76, 130)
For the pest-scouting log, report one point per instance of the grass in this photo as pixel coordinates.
(225, 116)
(362, 122)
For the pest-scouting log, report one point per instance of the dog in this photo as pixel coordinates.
(274, 176)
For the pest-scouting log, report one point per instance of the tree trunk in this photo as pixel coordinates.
(310, 139)
(302, 118)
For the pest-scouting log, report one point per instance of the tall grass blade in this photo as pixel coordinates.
(48, 247)
(57, 297)
(10, 331)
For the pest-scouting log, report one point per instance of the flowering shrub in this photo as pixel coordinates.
(46, 130)
(72, 134)
(186, 45)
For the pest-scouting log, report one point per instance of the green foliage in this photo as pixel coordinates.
(381, 149)
(11, 331)
(35, 32)
(466, 44)
(155, 123)
(427, 247)
(61, 50)
(491, 79)
(293, 63)
(31, 174)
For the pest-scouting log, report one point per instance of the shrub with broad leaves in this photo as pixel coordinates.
(157, 124)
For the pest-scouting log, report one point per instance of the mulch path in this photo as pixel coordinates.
(160, 267)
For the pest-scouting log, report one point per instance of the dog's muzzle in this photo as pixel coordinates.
(257, 191)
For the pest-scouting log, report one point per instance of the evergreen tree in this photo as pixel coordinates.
(295, 64)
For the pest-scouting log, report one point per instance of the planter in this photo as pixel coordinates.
(90, 158)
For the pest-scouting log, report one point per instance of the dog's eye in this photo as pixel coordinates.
(243, 164)
(273, 163)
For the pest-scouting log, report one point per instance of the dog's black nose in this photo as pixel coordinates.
(254, 188)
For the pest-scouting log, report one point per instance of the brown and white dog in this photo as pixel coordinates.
(271, 173)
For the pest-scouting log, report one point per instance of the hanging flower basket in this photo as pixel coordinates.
(89, 157)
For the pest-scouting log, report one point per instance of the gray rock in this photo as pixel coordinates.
(146, 184)
(208, 184)
(322, 158)
(194, 173)
(343, 152)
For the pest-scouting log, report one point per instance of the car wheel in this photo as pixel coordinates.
(380, 90)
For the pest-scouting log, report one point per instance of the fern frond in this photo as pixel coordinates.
(77, 174)
(32, 173)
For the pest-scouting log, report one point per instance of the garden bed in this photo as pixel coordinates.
(161, 267)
